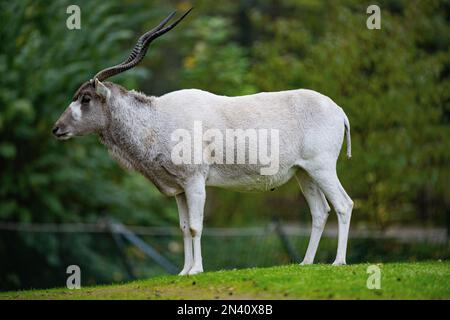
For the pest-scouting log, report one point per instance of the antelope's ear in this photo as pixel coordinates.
(102, 90)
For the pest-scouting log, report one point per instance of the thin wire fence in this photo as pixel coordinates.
(142, 251)
(431, 235)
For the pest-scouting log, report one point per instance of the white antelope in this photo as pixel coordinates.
(137, 129)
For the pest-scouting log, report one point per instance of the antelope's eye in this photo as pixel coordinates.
(85, 99)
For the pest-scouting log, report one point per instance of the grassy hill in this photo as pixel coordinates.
(424, 280)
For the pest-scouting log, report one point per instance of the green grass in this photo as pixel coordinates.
(422, 280)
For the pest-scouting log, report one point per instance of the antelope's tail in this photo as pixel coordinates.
(347, 133)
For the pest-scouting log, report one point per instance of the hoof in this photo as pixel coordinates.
(339, 263)
(185, 271)
(305, 263)
(195, 270)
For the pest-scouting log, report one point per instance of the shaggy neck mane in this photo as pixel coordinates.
(128, 114)
(141, 98)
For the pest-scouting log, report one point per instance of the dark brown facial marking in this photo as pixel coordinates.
(85, 98)
(87, 86)
(87, 92)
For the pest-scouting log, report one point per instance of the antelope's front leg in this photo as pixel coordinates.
(187, 238)
(195, 198)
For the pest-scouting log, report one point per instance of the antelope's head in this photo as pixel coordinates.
(87, 113)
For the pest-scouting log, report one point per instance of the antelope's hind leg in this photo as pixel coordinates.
(319, 208)
(325, 176)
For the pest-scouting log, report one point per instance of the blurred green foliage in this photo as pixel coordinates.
(393, 84)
